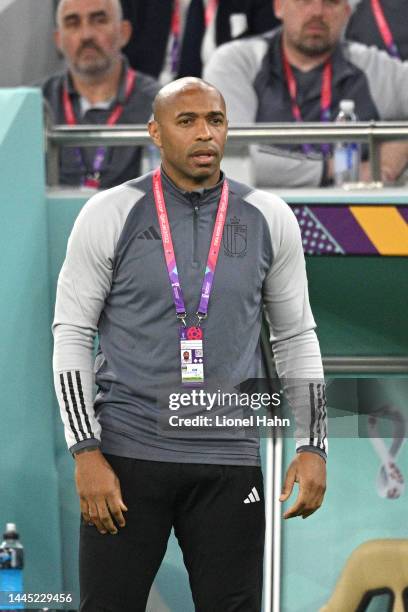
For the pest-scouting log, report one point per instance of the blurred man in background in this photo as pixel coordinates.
(98, 87)
(381, 23)
(300, 72)
(174, 38)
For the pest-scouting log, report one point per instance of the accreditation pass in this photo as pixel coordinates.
(191, 356)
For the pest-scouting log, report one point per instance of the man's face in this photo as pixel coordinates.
(191, 130)
(90, 35)
(312, 27)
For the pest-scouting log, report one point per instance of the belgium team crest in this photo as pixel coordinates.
(235, 238)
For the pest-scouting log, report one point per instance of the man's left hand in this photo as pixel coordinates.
(309, 471)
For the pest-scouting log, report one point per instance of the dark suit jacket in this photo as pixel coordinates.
(363, 28)
(151, 24)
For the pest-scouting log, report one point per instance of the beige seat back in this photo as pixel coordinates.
(373, 565)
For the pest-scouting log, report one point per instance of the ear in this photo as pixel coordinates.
(125, 32)
(57, 39)
(154, 132)
(277, 8)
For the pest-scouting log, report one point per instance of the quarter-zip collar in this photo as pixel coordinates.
(197, 196)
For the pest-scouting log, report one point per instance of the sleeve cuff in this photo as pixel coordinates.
(89, 443)
(312, 449)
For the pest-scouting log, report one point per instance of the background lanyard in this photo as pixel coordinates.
(70, 119)
(170, 256)
(175, 28)
(384, 28)
(325, 97)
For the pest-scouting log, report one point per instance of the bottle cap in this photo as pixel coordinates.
(10, 532)
(347, 106)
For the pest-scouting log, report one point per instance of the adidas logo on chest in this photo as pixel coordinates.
(150, 233)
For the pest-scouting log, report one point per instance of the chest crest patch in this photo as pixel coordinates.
(235, 238)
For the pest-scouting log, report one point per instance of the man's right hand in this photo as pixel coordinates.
(99, 492)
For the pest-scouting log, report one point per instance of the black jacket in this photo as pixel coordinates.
(151, 25)
(363, 28)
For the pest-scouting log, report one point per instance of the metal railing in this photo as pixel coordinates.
(366, 365)
(374, 133)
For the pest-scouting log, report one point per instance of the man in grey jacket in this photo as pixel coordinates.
(300, 72)
(130, 459)
(98, 87)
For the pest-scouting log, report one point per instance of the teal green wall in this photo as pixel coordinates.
(359, 305)
(315, 550)
(28, 476)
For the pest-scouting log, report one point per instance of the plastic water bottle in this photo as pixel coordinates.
(11, 569)
(346, 154)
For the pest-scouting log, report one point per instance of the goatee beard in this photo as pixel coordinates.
(316, 50)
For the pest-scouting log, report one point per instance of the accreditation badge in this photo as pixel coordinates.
(191, 356)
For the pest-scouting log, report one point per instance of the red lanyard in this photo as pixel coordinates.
(209, 14)
(325, 95)
(210, 11)
(384, 28)
(92, 179)
(170, 255)
(113, 118)
(175, 27)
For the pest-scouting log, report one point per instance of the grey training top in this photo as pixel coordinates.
(250, 75)
(114, 281)
(121, 163)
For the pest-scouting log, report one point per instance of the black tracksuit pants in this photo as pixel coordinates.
(221, 537)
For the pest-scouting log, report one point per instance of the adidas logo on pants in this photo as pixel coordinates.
(252, 497)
